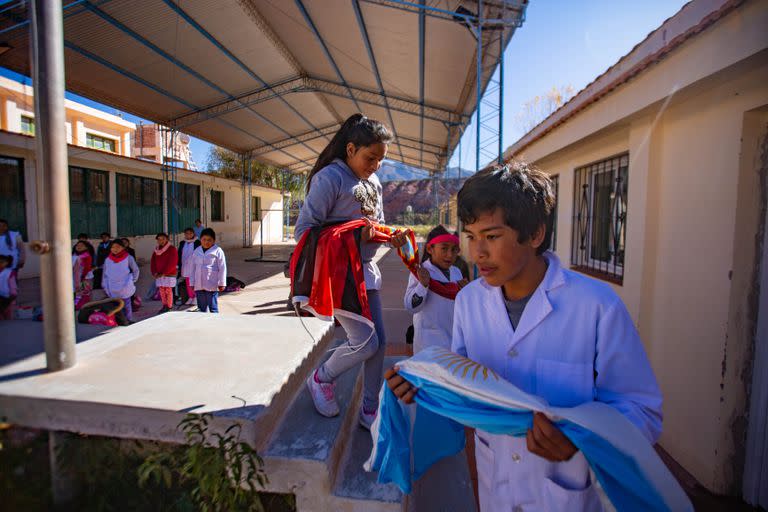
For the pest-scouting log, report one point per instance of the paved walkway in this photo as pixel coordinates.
(266, 293)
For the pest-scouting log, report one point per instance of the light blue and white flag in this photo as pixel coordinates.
(455, 391)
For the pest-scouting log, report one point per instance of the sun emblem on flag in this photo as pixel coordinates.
(461, 365)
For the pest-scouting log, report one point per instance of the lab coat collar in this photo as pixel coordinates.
(435, 272)
(539, 306)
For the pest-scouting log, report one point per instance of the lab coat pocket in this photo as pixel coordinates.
(564, 384)
(486, 471)
(557, 497)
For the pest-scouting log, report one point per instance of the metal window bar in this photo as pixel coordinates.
(556, 190)
(600, 218)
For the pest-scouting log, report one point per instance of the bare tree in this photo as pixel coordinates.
(538, 108)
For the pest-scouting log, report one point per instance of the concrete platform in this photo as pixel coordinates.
(140, 381)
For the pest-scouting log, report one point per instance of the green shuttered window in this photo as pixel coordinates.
(139, 206)
(88, 201)
(12, 194)
(184, 202)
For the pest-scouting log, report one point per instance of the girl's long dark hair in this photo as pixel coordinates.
(437, 231)
(357, 129)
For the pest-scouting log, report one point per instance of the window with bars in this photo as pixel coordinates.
(556, 189)
(139, 205)
(27, 125)
(99, 142)
(88, 201)
(255, 208)
(217, 206)
(600, 218)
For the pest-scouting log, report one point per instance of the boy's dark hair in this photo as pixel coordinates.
(3, 221)
(523, 193)
(208, 232)
(104, 233)
(189, 229)
(436, 231)
(117, 241)
(357, 129)
(198, 220)
(161, 234)
(82, 235)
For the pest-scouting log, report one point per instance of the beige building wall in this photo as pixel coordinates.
(17, 100)
(692, 220)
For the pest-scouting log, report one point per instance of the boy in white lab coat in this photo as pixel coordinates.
(209, 272)
(550, 331)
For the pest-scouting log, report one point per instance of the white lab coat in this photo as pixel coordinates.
(119, 278)
(575, 343)
(187, 250)
(433, 318)
(209, 269)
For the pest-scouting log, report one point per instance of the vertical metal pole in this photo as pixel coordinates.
(250, 201)
(51, 155)
(478, 86)
(501, 97)
(245, 205)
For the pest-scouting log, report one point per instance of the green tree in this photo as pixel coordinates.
(228, 164)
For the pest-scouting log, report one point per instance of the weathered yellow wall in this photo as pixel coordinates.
(691, 221)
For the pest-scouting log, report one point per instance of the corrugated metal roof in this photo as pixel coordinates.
(276, 77)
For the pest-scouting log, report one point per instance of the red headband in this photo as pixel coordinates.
(444, 239)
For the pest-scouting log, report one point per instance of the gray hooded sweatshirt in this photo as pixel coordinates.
(338, 195)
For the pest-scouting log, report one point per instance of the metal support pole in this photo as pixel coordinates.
(478, 86)
(246, 206)
(501, 98)
(250, 201)
(51, 156)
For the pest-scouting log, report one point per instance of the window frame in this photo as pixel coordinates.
(587, 215)
(31, 123)
(90, 136)
(221, 215)
(256, 211)
(555, 178)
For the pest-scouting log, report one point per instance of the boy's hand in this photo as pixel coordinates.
(424, 277)
(546, 440)
(399, 386)
(399, 238)
(463, 283)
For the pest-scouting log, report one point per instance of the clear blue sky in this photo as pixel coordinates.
(562, 42)
(567, 42)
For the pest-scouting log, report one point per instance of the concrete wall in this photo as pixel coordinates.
(229, 232)
(691, 228)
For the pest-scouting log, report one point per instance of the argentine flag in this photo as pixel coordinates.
(455, 391)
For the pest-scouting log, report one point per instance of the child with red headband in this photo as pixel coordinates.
(432, 313)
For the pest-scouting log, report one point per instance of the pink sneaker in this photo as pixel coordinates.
(322, 396)
(366, 418)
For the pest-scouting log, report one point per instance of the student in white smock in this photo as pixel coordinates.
(432, 313)
(551, 332)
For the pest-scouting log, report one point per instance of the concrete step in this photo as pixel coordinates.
(357, 486)
(305, 452)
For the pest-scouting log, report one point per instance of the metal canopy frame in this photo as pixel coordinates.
(491, 23)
